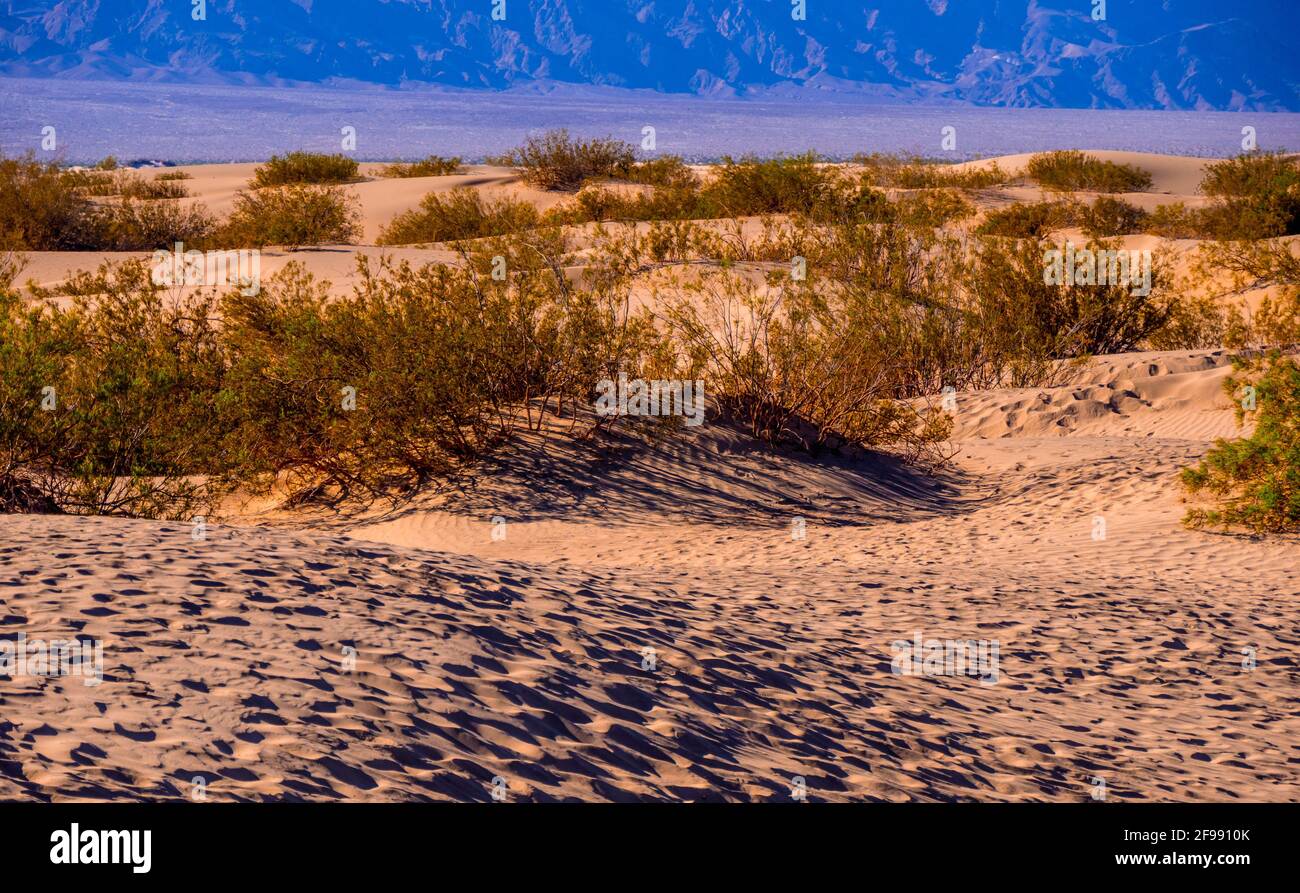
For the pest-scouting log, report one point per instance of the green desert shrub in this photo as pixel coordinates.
(931, 208)
(1276, 321)
(555, 160)
(415, 374)
(45, 209)
(1066, 320)
(304, 167)
(292, 216)
(675, 200)
(432, 166)
(787, 184)
(1257, 193)
(901, 172)
(797, 366)
(41, 210)
(1175, 221)
(1230, 219)
(107, 404)
(95, 183)
(103, 184)
(665, 171)
(1071, 170)
(1252, 174)
(1108, 216)
(459, 214)
(174, 175)
(1030, 220)
(419, 372)
(140, 225)
(158, 188)
(1254, 481)
(597, 204)
(1195, 322)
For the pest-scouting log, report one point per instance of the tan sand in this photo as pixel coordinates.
(525, 658)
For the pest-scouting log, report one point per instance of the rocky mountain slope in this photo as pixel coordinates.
(1171, 54)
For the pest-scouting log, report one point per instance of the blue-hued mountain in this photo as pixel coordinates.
(1148, 54)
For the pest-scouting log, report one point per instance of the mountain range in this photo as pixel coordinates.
(1242, 55)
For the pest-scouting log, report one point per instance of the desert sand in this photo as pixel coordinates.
(524, 658)
(697, 620)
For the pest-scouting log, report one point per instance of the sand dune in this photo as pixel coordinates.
(650, 628)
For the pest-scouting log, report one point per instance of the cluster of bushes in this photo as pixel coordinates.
(1029, 220)
(40, 210)
(1108, 216)
(667, 189)
(129, 403)
(159, 411)
(46, 208)
(431, 166)
(1071, 170)
(101, 183)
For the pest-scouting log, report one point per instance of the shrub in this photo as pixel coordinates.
(931, 208)
(1070, 170)
(1252, 174)
(1194, 322)
(797, 367)
(1264, 262)
(1255, 480)
(94, 183)
(292, 216)
(123, 183)
(44, 209)
(107, 405)
(1061, 321)
(786, 184)
(554, 160)
(920, 173)
(444, 364)
(1035, 220)
(139, 187)
(1258, 196)
(459, 214)
(304, 167)
(40, 210)
(675, 200)
(1175, 221)
(1111, 217)
(174, 175)
(432, 166)
(666, 171)
(134, 225)
(1233, 219)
